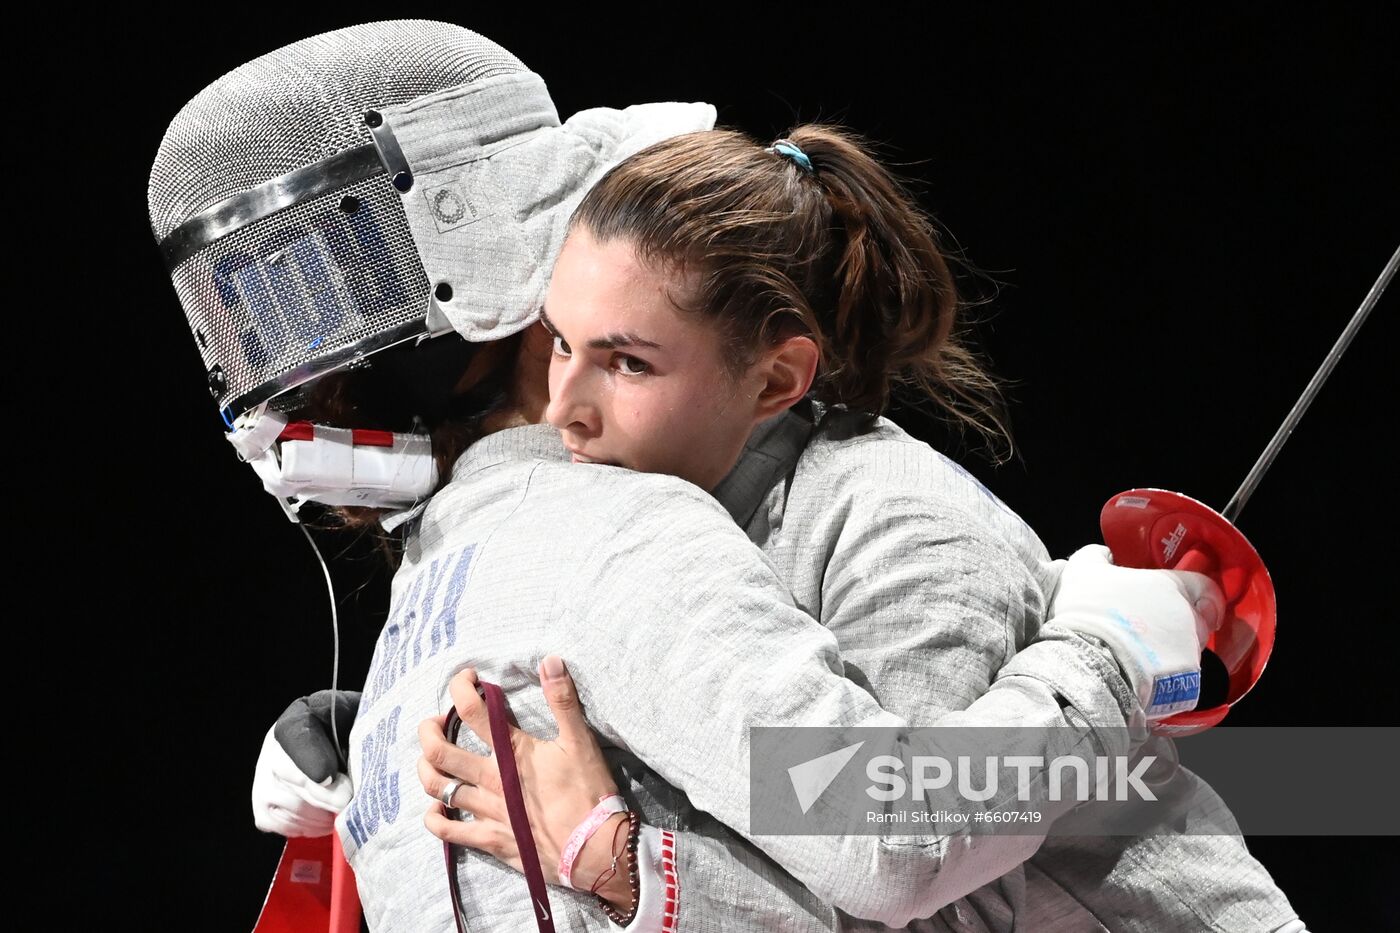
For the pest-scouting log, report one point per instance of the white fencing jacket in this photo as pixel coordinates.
(887, 577)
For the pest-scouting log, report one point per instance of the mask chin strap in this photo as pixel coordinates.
(300, 462)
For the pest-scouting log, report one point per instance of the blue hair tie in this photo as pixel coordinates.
(788, 149)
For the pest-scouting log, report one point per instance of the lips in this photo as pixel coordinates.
(577, 457)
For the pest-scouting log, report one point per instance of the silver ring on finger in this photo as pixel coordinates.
(447, 791)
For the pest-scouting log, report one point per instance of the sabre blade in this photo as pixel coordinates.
(1266, 459)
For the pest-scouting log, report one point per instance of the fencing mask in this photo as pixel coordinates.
(373, 186)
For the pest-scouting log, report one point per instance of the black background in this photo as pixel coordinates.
(1184, 208)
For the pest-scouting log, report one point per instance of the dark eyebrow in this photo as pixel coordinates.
(625, 339)
(607, 342)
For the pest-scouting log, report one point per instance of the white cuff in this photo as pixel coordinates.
(658, 887)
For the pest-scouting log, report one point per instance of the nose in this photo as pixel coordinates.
(572, 399)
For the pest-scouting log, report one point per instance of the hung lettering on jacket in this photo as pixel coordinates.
(421, 625)
(376, 800)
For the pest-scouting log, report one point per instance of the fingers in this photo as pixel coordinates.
(1091, 554)
(333, 795)
(307, 741)
(477, 801)
(562, 696)
(276, 767)
(490, 836)
(347, 705)
(1205, 597)
(278, 809)
(469, 705)
(274, 759)
(1201, 592)
(291, 824)
(453, 762)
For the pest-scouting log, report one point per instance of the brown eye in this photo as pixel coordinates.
(631, 366)
(561, 347)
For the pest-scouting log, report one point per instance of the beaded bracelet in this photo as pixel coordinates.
(633, 830)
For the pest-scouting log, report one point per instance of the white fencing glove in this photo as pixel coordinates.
(1156, 623)
(297, 787)
(287, 802)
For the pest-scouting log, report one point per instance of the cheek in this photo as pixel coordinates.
(647, 417)
(644, 415)
(731, 411)
(695, 412)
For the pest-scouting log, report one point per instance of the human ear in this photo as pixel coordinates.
(786, 371)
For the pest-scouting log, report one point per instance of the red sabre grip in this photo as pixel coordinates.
(1157, 529)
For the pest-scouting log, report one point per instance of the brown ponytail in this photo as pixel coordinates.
(838, 251)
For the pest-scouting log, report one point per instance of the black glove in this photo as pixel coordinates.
(304, 732)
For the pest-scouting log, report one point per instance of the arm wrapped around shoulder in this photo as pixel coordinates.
(680, 627)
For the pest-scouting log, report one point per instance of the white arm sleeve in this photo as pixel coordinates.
(711, 646)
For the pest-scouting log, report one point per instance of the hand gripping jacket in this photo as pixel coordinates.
(364, 188)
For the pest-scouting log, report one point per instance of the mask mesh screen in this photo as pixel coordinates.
(289, 296)
(310, 287)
